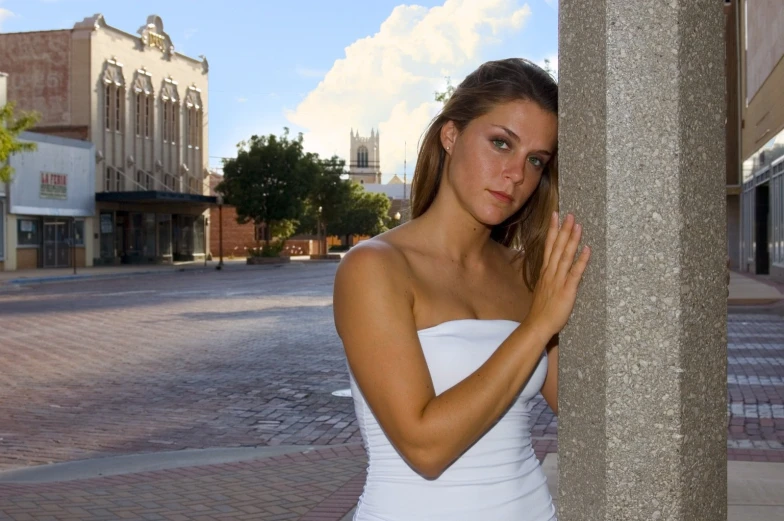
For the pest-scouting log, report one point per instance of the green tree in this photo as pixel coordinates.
(443, 97)
(365, 214)
(329, 198)
(10, 128)
(269, 179)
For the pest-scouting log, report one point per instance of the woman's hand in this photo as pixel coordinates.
(556, 290)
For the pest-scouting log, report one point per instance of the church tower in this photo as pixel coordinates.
(365, 158)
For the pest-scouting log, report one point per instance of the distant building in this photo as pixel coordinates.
(365, 162)
(143, 106)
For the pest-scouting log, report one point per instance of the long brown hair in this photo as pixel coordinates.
(495, 82)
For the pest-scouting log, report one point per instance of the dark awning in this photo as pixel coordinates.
(154, 196)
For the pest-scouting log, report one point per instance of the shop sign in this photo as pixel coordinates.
(54, 186)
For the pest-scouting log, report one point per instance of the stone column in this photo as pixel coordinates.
(643, 418)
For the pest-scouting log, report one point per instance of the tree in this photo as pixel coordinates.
(443, 97)
(269, 179)
(366, 214)
(10, 128)
(330, 194)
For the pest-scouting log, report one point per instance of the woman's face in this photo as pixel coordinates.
(496, 163)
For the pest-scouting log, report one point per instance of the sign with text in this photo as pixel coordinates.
(54, 186)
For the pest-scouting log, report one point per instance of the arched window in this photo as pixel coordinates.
(171, 109)
(142, 88)
(193, 115)
(114, 94)
(362, 157)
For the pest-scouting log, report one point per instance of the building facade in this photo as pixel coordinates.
(144, 108)
(51, 204)
(365, 158)
(756, 94)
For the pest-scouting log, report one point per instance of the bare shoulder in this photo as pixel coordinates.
(371, 261)
(372, 276)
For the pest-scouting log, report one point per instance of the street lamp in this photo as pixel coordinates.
(220, 231)
(397, 216)
(318, 226)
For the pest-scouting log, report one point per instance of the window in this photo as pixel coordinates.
(194, 116)
(171, 109)
(193, 185)
(362, 157)
(78, 232)
(108, 178)
(141, 180)
(148, 114)
(108, 107)
(169, 182)
(28, 232)
(166, 108)
(261, 233)
(139, 114)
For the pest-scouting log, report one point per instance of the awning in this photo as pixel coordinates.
(154, 196)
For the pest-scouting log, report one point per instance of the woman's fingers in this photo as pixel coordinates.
(570, 249)
(560, 243)
(578, 269)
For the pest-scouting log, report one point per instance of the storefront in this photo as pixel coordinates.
(50, 204)
(151, 227)
(763, 210)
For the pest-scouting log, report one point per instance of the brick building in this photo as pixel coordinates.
(144, 108)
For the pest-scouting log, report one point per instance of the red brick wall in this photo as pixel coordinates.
(39, 67)
(236, 237)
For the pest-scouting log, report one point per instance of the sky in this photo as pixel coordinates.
(323, 67)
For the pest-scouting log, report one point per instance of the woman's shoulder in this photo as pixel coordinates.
(374, 260)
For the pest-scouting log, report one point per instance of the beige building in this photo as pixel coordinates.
(365, 154)
(144, 108)
(755, 90)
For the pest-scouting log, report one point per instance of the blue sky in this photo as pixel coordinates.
(322, 67)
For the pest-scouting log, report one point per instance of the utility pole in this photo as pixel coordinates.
(405, 178)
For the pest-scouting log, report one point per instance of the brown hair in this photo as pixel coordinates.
(495, 82)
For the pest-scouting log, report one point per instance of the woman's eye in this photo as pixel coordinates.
(500, 143)
(538, 163)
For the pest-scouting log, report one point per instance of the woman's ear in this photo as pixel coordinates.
(448, 136)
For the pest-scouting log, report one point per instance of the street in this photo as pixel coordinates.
(237, 358)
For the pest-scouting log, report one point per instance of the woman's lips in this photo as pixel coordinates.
(501, 196)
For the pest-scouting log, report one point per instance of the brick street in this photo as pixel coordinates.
(242, 357)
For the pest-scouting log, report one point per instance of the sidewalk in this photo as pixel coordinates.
(304, 483)
(746, 289)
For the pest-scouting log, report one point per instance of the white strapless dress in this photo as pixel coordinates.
(496, 479)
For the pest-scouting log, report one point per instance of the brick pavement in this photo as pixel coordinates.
(225, 359)
(278, 488)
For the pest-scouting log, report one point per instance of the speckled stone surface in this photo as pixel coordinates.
(642, 425)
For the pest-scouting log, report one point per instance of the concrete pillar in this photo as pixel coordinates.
(643, 419)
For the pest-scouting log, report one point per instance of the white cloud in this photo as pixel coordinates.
(5, 14)
(242, 100)
(387, 81)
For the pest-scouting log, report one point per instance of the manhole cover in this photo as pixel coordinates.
(343, 393)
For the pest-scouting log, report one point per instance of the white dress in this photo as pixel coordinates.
(496, 479)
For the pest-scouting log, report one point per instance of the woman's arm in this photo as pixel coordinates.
(550, 387)
(373, 314)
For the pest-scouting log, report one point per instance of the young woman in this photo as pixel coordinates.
(449, 322)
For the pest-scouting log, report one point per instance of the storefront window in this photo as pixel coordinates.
(198, 235)
(149, 235)
(165, 235)
(107, 235)
(29, 232)
(78, 233)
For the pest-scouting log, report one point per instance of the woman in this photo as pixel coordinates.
(449, 321)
